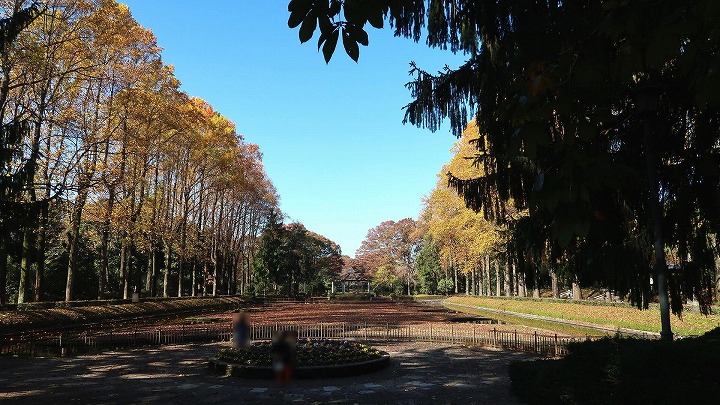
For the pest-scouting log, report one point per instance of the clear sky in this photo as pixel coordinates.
(332, 135)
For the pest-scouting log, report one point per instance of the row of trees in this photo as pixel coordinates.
(114, 180)
(449, 248)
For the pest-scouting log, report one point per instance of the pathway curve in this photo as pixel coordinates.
(420, 373)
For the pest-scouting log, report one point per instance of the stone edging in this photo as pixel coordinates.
(336, 370)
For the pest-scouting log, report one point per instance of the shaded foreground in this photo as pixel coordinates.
(625, 371)
(419, 373)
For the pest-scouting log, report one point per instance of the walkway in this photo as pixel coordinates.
(420, 373)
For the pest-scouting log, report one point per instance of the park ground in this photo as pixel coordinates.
(419, 373)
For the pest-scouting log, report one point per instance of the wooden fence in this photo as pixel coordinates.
(467, 334)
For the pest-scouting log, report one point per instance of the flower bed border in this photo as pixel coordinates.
(307, 372)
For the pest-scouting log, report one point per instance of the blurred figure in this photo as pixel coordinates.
(284, 353)
(241, 330)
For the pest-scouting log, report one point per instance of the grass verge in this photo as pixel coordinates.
(610, 316)
(516, 320)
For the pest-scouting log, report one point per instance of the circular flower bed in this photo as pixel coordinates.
(315, 359)
(309, 353)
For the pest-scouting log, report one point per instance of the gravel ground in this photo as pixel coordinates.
(420, 373)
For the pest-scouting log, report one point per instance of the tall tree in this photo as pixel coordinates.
(393, 244)
(15, 124)
(587, 109)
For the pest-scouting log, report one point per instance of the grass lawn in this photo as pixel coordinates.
(611, 316)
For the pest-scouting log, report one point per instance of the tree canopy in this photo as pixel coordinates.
(599, 118)
(291, 256)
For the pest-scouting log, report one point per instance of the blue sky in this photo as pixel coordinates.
(332, 135)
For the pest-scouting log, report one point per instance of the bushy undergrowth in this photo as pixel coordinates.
(625, 371)
(309, 353)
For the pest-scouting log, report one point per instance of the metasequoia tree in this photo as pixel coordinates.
(598, 117)
(112, 170)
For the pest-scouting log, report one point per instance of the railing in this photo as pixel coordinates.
(468, 334)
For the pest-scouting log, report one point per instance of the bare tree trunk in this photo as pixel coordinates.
(3, 266)
(24, 266)
(554, 282)
(74, 241)
(124, 285)
(41, 246)
(455, 276)
(104, 243)
(717, 277)
(181, 263)
(576, 290)
(166, 270)
(520, 281)
(536, 281)
(508, 284)
(151, 270)
(488, 279)
(473, 282)
(193, 278)
(498, 278)
(653, 163)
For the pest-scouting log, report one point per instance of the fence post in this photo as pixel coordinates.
(516, 340)
(536, 342)
(556, 345)
(495, 337)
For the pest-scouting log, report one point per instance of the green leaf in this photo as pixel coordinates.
(326, 26)
(296, 17)
(351, 47)
(326, 29)
(335, 7)
(357, 34)
(300, 5)
(322, 38)
(376, 20)
(330, 44)
(307, 28)
(354, 13)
